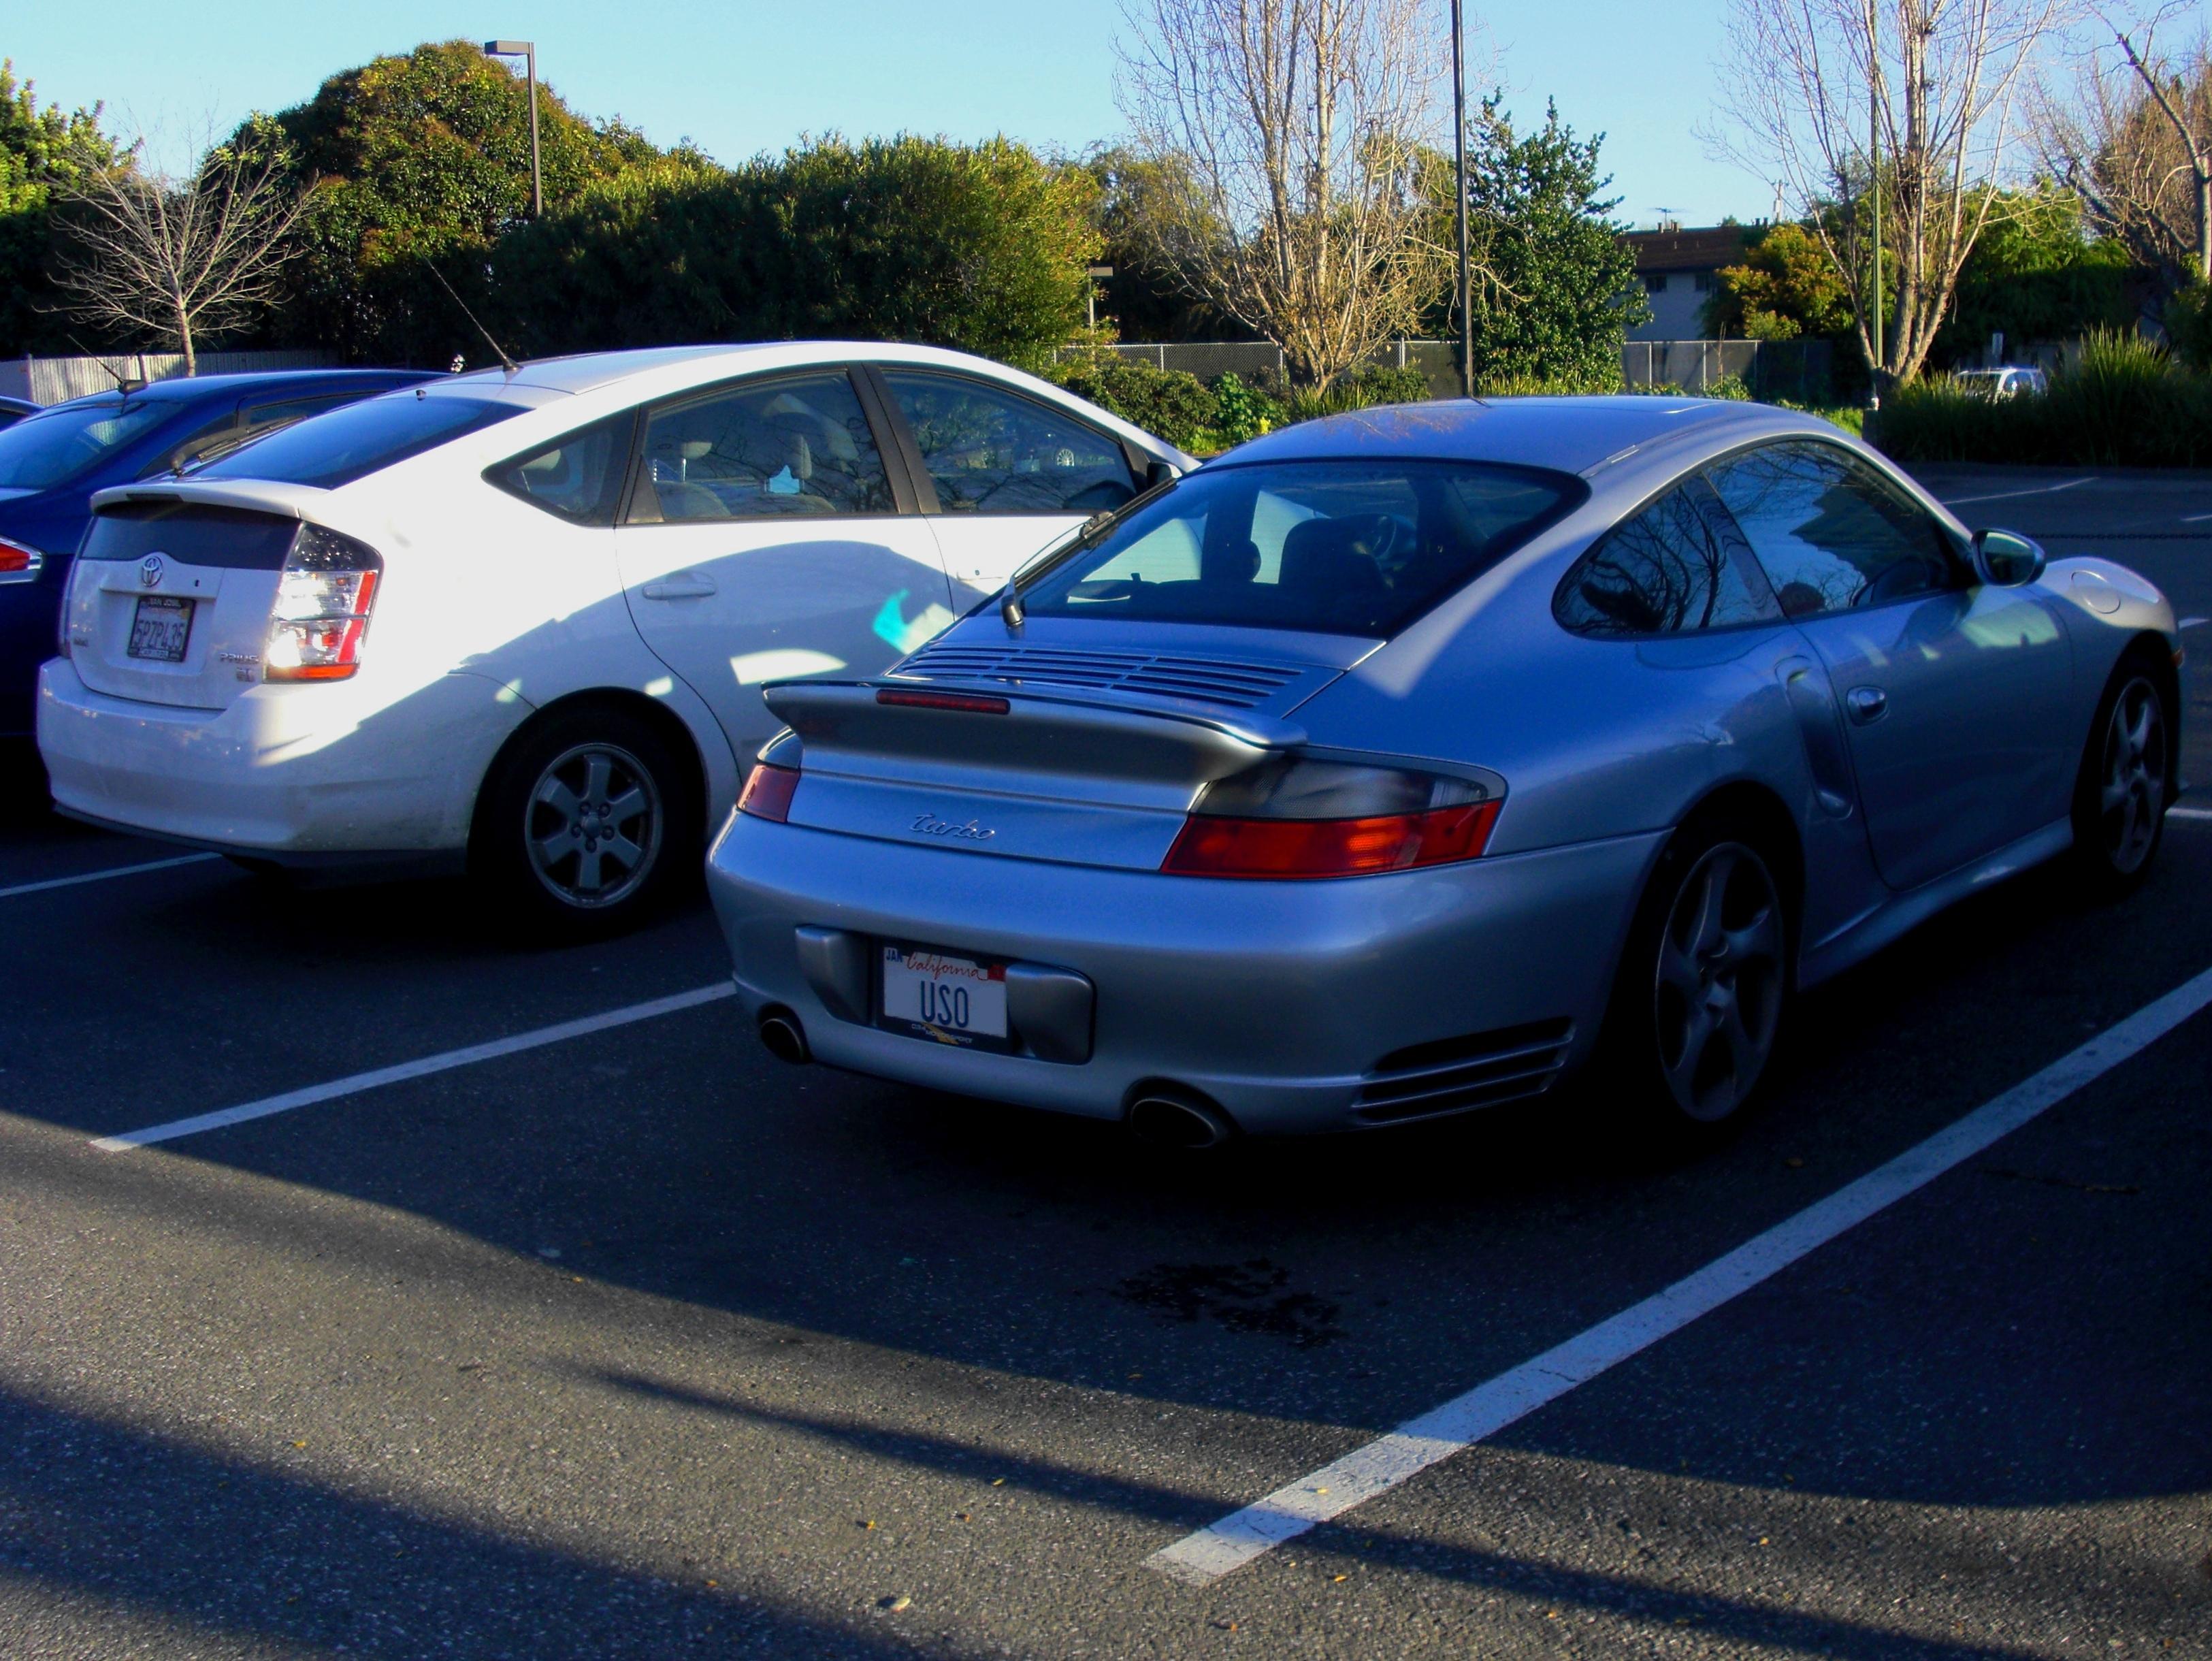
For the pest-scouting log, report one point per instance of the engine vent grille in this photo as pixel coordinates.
(1478, 1070)
(1222, 681)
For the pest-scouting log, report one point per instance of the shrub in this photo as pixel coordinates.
(1168, 403)
(1245, 411)
(2119, 400)
(2189, 326)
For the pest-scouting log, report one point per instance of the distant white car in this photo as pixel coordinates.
(2009, 382)
(524, 617)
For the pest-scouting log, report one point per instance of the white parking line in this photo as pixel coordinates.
(102, 876)
(2006, 496)
(2191, 623)
(356, 1083)
(2189, 812)
(1202, 1558)
(2195, 518)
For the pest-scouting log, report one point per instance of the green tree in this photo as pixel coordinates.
(979, 246)
(1787, 287)
(424, 159)
(1154, 293)
(40, 150)
(1555, 289)
(2037, 274)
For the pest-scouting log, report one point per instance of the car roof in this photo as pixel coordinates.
(587, 372)
(1570, 435)
(183, 389)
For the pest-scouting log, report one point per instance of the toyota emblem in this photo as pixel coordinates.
(150, 571)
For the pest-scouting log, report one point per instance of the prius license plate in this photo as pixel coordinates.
(162, 625)
(932, 994)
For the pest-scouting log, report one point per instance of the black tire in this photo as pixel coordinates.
(1703, 989)
(587, 825)
(2126, 779)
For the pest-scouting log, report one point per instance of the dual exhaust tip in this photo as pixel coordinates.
(1164, 1117)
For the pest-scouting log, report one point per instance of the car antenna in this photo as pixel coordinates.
(498, 349)
(124, 384)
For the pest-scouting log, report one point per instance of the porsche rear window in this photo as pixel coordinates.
(330, 450)
(1333, 547)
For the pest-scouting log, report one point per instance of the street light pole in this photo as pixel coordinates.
(1459, 177)
(527, 51)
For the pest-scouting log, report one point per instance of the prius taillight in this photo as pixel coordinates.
(324, 597)
(1299, 817)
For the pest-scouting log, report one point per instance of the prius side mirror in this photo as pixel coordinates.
(2005, 559)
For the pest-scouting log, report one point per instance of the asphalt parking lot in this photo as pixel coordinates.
(631, 1341)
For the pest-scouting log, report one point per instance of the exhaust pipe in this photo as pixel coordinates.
(1174, 1120)
(785, 1039)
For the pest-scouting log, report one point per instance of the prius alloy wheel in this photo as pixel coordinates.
(594, 828)
(587, 821)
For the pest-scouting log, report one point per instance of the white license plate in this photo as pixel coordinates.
(956, 1000)
(159, 628)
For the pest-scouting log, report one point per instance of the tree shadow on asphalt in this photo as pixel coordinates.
(130, 1528)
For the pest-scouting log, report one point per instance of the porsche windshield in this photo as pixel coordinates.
(1334, 547)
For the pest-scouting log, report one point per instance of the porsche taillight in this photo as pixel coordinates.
(1299, 817)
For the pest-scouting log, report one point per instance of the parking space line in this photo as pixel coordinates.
(356, 1083)
(102, 876)
(1201, 1558)
(2189, 812)
(2191, 623)
(2006, 496)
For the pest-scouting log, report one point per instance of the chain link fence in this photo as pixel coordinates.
(1797, 370)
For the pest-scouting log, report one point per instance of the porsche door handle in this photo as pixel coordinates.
(1866, 703)
(685, 585)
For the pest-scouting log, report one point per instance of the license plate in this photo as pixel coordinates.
(162, 625)
(955, 1000)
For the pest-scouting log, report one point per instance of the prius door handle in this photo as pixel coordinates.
(684, 585)
(1866, 703)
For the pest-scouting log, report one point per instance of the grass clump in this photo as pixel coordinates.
(2118, 400)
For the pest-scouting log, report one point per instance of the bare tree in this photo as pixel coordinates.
(2133, 137)
(1907, 105)
(1293, 131)
(180, 258)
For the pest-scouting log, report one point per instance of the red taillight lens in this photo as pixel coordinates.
(768, 790)
(965, 703)
(1212, 846)
(324, 597)
(16, 560)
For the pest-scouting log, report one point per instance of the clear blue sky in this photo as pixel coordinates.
(738, 76)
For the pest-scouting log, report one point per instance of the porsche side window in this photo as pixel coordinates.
(787, 448)
(1667, 569)
(993, 452)
(1830, 531)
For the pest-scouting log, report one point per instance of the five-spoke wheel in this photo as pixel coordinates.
(1716, 992)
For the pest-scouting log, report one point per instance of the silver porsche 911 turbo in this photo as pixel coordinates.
(1405, 762)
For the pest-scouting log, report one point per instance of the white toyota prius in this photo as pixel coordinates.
(521, 618)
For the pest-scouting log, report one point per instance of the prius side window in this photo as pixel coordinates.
(799, 447)
(577, 476)
(1671, 568)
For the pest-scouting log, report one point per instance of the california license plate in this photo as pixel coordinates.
(161, 628)
(955, 1000)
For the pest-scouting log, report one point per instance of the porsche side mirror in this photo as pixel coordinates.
(2005, 559)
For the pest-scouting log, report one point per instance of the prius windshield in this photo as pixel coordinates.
(1333, 547)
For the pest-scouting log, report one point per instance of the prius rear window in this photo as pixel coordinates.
(350, 443)
(1333, 547)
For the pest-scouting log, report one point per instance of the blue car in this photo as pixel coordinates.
(53, 461)
(13, 410)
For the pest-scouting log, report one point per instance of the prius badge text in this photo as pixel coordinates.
(929, 825)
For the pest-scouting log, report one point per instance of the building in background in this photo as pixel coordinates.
(1677, 268)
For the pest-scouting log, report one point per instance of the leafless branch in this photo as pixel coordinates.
(185, 259)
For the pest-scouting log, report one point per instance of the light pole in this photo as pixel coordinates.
(527, 51)
(1097, 274)
(1459, 176)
